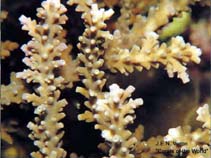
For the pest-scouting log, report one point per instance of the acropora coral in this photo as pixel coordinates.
(74, 49)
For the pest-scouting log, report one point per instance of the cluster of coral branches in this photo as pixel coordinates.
(134, 42)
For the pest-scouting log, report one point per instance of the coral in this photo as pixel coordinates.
(198, 139)
(13, 92)
(152, 54)
(158, 16)
(113, 114)
(8, 127)
(7, 47)
(103, 103)
(43, 56)
(195, 140)
(145, 35)
(3, 15)
(68, 71)
(204, 116)
(180, 139)
(135, 51)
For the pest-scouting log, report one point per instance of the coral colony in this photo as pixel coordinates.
(133, 42)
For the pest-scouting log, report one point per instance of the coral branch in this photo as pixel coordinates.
(111, 110)
(204, 116)
(43, 56)
(178, 140)
(113, 114)
(13, 92)
(142, 34)
(174, 56)
(92, 48)
(68, 71)
(6, 48)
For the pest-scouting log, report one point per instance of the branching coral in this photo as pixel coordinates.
(193, 141)
(180, 141)
(43, 56)
(139, 47)
(6, 46)
(196, 142)
(92, 48)
(101, 103)
(142, 38)
(113, 114)
(173, 56)
(13, 92)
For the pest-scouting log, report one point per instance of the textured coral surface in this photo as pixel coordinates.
(105, 79)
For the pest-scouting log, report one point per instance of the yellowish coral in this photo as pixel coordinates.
(103, 104)
(3, 15)
(152, 54)
(12, 93)
(113, 113)
(92, 50)
(5, 136)
(197, 140)
(109, 3)
(68, 71)
(43, 56)
(7, 47)
(204, 116)
(179, 141)
(158, 15)
(134, 44)
(7, 127)
(14, 152)
(150, 149)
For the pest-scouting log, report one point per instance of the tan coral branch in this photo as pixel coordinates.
(113, 113)
(43, 56)
(7, 47)
(12, 93)
(173, 57)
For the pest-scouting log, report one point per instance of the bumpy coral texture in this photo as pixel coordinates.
(134, 42)
(43, 56)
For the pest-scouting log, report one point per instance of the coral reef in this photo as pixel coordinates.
(68, 73)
